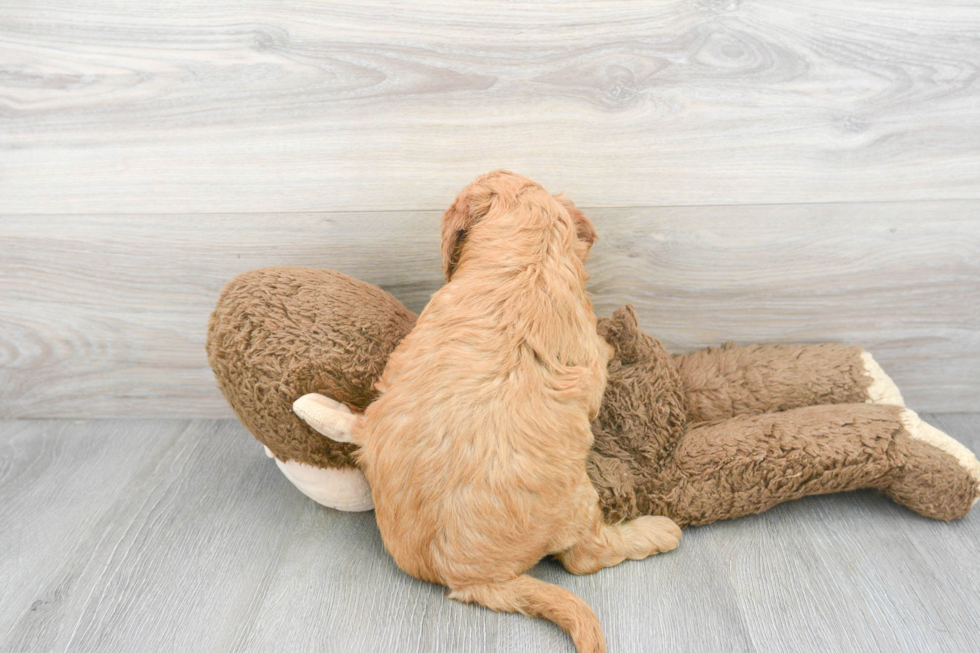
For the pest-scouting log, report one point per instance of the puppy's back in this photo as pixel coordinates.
(468, 450)
(476, 449)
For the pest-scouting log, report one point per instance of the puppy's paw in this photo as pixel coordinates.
(326, 416)
(653, 535)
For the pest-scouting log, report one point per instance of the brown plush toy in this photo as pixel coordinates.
(714, 434)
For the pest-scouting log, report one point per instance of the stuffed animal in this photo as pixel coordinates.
(714, 434)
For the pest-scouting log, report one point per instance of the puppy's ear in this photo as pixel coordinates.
(498, 189)
(583, 226)
(470, 206)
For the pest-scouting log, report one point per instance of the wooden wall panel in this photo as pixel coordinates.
(254, 106)
(811, 171)
(106, 315)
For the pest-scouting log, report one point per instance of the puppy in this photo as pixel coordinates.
(475, 451)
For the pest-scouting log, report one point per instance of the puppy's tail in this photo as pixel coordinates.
(536, 598)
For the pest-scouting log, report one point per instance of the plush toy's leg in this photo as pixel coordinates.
(927, 487)
(340, 488)
(748, 464)
(729, 381)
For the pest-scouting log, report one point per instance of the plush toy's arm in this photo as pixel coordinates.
(326, 416)
(748, 464)
(729, 381)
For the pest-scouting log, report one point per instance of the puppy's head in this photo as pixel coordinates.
(500, 192)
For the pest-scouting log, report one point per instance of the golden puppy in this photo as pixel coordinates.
(475, 451)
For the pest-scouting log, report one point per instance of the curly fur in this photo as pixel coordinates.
(476, 449)
(281, 332)
(270, 343)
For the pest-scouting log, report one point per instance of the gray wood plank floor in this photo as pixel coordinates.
(173, 535)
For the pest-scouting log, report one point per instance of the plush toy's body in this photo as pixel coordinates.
(721, 433)
(714, 434)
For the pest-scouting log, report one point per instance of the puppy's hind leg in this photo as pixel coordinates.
(602, 545)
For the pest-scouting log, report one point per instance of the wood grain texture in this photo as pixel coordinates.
(174, 559)
(162, 535)
(106, 315)
(125, 107)
(856, 572)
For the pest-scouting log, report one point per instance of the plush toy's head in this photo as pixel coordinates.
(279, 333)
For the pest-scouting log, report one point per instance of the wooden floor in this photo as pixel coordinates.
(180, 535)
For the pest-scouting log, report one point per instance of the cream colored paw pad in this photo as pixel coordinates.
(882, 389)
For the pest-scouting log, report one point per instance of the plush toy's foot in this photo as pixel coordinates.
(882, 389)
(934, 475)
(341, 489)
